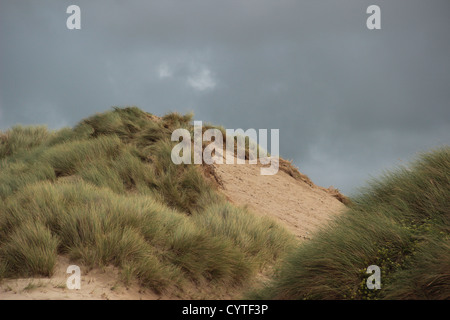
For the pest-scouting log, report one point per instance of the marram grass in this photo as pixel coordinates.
(107, 193)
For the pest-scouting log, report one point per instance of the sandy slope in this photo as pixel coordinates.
(301, 208)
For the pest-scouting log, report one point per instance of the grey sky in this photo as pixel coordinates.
(349, 102)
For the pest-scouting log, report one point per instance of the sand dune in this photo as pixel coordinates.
(300, 206)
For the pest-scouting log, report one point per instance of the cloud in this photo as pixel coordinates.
(164, 71)
(189, 69)
(202, 80)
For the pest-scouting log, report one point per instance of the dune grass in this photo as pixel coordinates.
(399, 222)
(107, 193)
(30, 250)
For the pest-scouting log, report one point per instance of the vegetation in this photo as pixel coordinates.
(106, 192)
(400, 222)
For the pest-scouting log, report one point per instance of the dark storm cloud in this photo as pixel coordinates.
(348, 101)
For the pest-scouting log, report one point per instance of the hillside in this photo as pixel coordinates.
(106, 196)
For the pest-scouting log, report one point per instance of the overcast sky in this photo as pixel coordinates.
(349, 101)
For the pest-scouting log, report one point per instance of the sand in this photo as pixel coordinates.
(301, 207)
(97, 284)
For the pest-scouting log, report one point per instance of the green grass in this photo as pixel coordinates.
(21, 139)
(400, 222)
(30, 250)
(107, 193)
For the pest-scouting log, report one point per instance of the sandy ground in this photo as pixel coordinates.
(95, 285)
